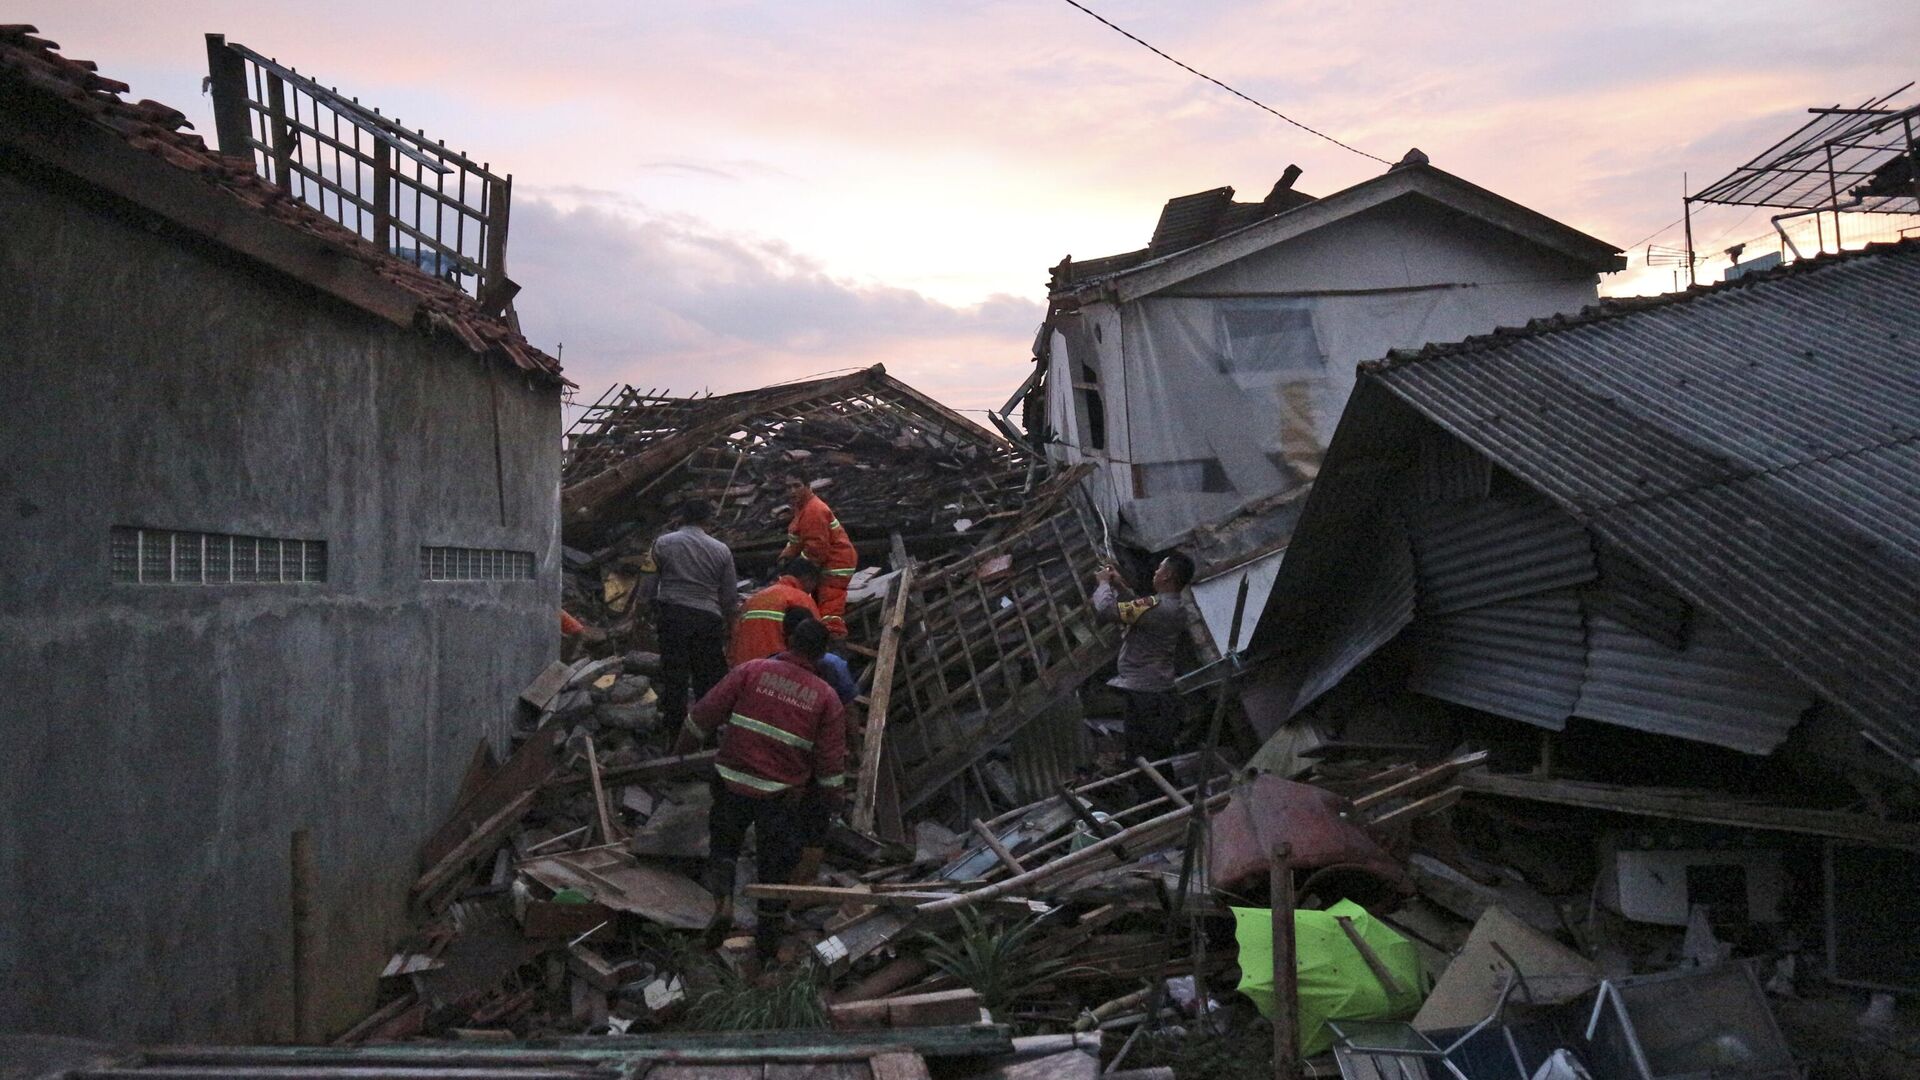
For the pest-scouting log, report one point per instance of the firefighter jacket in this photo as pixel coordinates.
(761, 630)
(816, 533)
(780, 726)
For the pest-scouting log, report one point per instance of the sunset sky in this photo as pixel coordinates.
(724, 194)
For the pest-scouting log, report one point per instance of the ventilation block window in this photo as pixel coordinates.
(143, 556)
(475, 564)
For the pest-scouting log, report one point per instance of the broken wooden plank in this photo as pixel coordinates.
(529, 767)
(488, 835)
(1419, 781)
(599, 794)
(1432, 804)
(1703, 806)
(833, 896)
(908, 1010)
(873, 737)
(624, 883)
(546, 686)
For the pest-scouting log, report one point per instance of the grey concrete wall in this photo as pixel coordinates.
(160, 744)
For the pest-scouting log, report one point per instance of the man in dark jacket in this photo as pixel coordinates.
(782, 760)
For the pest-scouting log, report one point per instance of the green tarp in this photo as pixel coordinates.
(1335, 981)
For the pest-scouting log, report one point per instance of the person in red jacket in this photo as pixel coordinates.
(780, 770)
(761, 630)
(816, 533)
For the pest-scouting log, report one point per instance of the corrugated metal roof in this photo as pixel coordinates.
(1450, 470)
(1754, 445)
(1523, 658)
(1486, 550)
(1716, 690)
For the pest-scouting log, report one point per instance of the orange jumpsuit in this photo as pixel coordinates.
(816, 533)
(761, 631)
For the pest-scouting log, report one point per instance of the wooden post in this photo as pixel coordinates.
(382, 194)
(866, 784)
(1286, 983)
(300, 913)
(492, 290)
(284, 142)
(227, 79)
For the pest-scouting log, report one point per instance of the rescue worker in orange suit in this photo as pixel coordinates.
(816, 533)
(761, 631)
(780, 769)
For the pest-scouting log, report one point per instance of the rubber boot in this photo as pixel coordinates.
(718, 878)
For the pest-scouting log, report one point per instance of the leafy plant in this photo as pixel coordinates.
(996, 961)
(785, 1001)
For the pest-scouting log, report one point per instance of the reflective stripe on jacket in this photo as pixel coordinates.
(761, 630)
(780, 726)
(816, 533)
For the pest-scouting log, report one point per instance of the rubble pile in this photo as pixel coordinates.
(891, 462)
(1395, 902)
(1430, 925)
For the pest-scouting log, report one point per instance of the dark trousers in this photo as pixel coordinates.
(1153, 723)
(782, 825)
(693, 645)
(1153, 720)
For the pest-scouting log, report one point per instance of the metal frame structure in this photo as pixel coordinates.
(1829, 165)
(409, 196)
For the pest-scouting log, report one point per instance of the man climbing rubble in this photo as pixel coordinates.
(694, 592)
(1153, 626)
(816, 533)
(761, 629)
(783, 745)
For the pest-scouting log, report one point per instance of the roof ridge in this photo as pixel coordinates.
(1616, 307)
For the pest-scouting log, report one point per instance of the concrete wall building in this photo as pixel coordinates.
(279, 515)
(1205, 373)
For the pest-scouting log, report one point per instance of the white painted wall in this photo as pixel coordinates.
(1181, 402)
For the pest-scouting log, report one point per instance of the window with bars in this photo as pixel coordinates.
(475, 564)
(143, 556)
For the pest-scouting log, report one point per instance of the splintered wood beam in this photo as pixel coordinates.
(487, 836)
(999, 849)
(867, 783)
(1432, 804)
(1436, 774)
(1160, 781)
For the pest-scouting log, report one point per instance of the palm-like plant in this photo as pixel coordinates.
(996, 961)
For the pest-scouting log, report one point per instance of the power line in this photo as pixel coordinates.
(1656, 232)
(1321, 134)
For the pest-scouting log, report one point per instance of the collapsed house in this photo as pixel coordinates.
(1659, 557)
(1204, 373)
(1688, 515)
(258, 597)
(981, 626)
